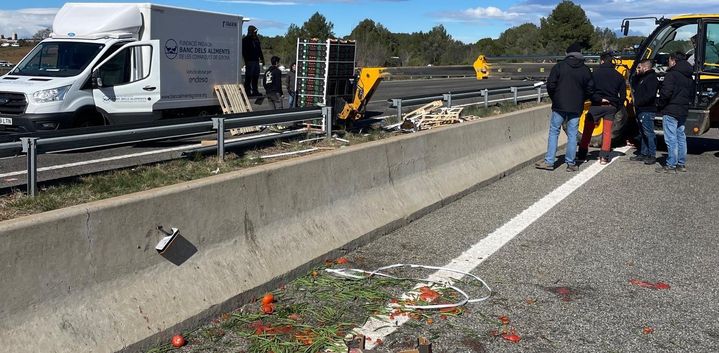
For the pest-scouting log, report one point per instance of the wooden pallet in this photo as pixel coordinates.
(233, 100)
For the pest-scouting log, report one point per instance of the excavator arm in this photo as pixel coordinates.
(367, 82)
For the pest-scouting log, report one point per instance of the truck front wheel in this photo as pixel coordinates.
(88, 117)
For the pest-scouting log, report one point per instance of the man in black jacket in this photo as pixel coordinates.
(272, 81)
(569, 85)
(252, 55)
(675, 96)
(644, 91)
(608, 98)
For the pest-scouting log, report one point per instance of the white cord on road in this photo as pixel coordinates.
(348, 273)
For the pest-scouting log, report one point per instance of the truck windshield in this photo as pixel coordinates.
(57, 59)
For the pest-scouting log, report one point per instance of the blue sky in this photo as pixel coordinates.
(467, 21)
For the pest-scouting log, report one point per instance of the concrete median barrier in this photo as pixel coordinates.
(88, 279)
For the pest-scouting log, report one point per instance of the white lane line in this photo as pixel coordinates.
(125, 156)
(382, 326)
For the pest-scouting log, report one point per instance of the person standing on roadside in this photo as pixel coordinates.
(569, 85)
(272, 81)
(644, 90)
(252, 55)
(608, 99)
(291, 76)
(675, 95)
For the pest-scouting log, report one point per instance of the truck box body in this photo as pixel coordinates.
(177, 55)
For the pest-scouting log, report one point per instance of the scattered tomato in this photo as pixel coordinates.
(295, 317)
(178, 341)
(268, 299)
(512, 337)
(342, 261)
(647, 330)
(267, 308)
(504, 320)
(429, 321)
(661, 285)
(378, 342)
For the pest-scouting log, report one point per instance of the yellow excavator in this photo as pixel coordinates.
(695, 35)
(366, 84)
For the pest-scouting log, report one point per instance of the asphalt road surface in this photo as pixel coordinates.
(12, 169)
(564, 281)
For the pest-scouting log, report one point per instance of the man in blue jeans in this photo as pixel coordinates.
(569, 85)
(675, 95)
(644, 91)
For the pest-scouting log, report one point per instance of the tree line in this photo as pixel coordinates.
(377, 46)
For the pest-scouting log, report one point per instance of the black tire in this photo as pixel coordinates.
(88, 117)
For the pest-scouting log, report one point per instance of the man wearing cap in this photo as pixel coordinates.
(252, 55)
(569, 84)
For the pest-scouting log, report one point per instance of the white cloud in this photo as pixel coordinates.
(26, 22)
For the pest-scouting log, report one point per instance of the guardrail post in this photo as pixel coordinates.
(398, 103)
(447, 97)
(514, 94)
(29, 146)
(219, 125)
(539, 94)
(485, 94)
(327, 121)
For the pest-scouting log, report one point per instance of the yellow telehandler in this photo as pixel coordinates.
(695, 35)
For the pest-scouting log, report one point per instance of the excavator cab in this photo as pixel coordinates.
(698, 37)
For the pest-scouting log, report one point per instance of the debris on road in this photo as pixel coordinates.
(651, 285)
(428, 116)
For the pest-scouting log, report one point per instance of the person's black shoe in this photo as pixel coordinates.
(638, 158)
(649, 160)
(665, 169)
(572, 168)
(681, 168)
(582, 155)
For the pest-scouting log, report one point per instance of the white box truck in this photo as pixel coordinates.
(111, 63)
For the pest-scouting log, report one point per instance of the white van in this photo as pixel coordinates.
(122, 63)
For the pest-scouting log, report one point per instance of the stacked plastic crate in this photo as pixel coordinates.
(324, 71)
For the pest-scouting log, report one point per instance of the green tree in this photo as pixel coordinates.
(375, 43)
(42, 34)
(436, 43)
(488, 47)
(520, 40)
(318, 27)
(628, 43)
(565, 25)
(604, 39)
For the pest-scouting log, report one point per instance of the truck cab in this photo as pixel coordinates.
(698, 37)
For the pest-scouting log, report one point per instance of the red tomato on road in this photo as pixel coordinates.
(178, 341)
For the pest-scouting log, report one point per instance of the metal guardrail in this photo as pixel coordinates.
(32, 146)
(448, 97)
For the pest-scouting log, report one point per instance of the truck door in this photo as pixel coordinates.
(127, 83)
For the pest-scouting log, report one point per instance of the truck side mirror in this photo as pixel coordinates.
(625, 27)
(96, 79)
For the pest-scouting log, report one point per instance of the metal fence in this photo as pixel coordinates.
(449, 97)
(33, 146)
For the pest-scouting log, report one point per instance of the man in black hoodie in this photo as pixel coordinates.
(252, 55)
(644, 91)
(272, 81)
(675, 96)
(569, 85)
(608, 98)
